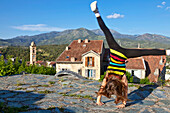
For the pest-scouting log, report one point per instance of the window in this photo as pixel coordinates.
(33, 50)
(79, 71)
(156, 73)
(64, 69)
(132, 72)
(67, 57)
(89, 61)
(91, 73)
(84, 45)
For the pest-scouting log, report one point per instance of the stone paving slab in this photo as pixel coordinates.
(50, 94)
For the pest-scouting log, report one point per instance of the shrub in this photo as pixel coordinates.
(145, 81)
(129, 77)
(102, 77)
(11, 68)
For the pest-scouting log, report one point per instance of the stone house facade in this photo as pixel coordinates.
(84, 57)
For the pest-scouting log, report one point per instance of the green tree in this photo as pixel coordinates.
(10, 70)
(129, 77)
(2, 66)
(22, 66)
(50, 71)
(34, 69)
(28, 69)
(16, 65)
(41, 70)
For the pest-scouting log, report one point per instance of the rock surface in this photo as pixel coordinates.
(50, 94)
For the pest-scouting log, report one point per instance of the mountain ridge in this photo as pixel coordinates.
(67, 36)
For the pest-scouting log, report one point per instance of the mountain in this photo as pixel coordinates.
(26, 40)
(3, 42)
(154, 37)
(115, 34)
(67, 36)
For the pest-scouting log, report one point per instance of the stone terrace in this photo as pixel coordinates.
(50, 94)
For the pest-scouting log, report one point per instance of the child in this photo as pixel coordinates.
(118, 56)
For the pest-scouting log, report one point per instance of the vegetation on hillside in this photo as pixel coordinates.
(44, 53)
(11, 68)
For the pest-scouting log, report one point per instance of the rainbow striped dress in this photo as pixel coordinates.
(117, 63)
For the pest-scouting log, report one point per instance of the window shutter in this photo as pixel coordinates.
(94, 74)
(86, 60)
(92, 61)
(86, 73)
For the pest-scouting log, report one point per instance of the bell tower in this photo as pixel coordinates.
(32, 53)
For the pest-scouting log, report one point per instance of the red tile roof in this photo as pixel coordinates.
(77, 49)
(52, 63)
(39, 62)
(153, 63)
(135, 63)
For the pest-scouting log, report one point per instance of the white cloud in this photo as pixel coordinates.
(159, 6)
(167, 8)
(115, 15)
(163, 3)
(37, 27)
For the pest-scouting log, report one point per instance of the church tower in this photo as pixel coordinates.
(32, 54)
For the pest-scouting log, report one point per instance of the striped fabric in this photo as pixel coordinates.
(117, 63)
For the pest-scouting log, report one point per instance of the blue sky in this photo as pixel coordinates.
(31, 17)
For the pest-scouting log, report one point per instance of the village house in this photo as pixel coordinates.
(137, 68)
(153, 67)
(84, 57)
(90, 58)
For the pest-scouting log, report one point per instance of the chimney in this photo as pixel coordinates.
(138, 45)
(67, 48)
(72, 59)
(86, 40)
(79, 40)
(161, 61)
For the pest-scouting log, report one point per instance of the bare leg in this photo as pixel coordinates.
(124, 80)
(103, 85)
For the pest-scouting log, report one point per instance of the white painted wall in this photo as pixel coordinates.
(138, 73)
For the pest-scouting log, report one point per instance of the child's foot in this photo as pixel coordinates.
(99, 103)
(121, 106)
(93, 6)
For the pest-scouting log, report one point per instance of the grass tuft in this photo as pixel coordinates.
(51, 82)
(45, 92)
